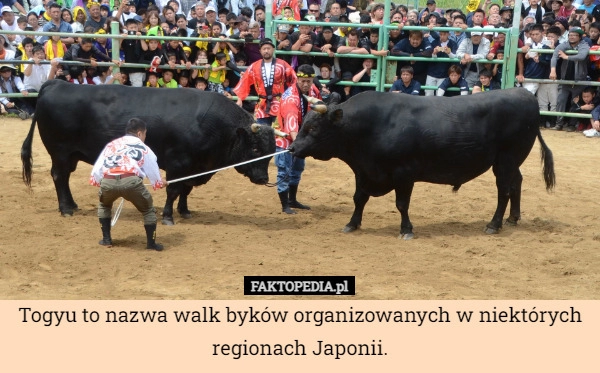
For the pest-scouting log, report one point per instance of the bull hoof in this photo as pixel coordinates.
(186, 215)
(168, 221)
(349, 228)
(512, 221)
(406, 236)
(489, 230)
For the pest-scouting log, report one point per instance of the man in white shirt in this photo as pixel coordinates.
(10, 83)
(36, 74)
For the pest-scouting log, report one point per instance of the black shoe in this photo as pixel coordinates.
(105, 226)
(292, 199)
(285, 203)
(151, 238)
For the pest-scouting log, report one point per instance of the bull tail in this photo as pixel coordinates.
(26, 154)
(548, 163)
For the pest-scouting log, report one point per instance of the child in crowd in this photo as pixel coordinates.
(217, 74)
(455, 80)
(152, 80)
(406, 83)
(201, 84)
(485, 82)
(167, 80)
(582, 104)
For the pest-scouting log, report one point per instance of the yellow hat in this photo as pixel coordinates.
(187, 49)
(472, 5)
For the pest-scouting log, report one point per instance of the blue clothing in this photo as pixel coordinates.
(405, 49)
(414, 88)
(289, 170)
(440, 69)
(64, 27)
(541, 69)
(462, 84)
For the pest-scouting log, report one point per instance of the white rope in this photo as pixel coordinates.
(120, 207)
(117, 213)
(224, 168)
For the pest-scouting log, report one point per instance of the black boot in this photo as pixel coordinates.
(285, 203)
(105, 225)
(151, 237)
(293, 202)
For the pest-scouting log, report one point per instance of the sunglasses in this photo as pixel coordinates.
(304, 75)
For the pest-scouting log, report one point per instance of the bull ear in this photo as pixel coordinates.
(336, 116)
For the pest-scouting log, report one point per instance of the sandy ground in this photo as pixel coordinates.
(237, 229)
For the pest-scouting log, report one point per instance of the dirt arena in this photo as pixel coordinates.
(237, 229)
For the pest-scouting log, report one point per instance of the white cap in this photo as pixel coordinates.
(354, 17)
(477, 33)
(210, 9)
(6, 9)
(488, 32)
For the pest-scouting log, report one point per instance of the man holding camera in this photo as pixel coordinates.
(132, 49)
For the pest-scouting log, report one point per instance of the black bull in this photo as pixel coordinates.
(392, 141)
(190, 131)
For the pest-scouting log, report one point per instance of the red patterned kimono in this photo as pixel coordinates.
(280, 74)
(293, 109)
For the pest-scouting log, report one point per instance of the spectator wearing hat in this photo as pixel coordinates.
(555, 6)
(96, 21)
(211, 17)
(271, 77)
(326, 42)
(469, 50)
(282, 42)
(506, 15)
(303, 41)
(563, 24)
(79, 18)
(572, 67)
(10, 83)
(9, 23)
(132, 51)
(241, 27)
(16, 4)
(59, 25)
(279, 5)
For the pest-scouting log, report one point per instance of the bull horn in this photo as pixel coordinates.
(311, 100)
(255, 127)
(320, 108)
(279, 133)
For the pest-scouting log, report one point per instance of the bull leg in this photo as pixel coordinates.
(60, 175)
(360, 200)
(182, 206)
(403, 193)
(173, 191)
(515, 200)
(503, 185)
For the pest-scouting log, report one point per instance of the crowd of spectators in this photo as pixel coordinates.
(558, 25)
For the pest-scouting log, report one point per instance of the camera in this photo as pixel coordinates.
(131, 32)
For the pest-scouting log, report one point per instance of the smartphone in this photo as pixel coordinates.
(579, 11)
